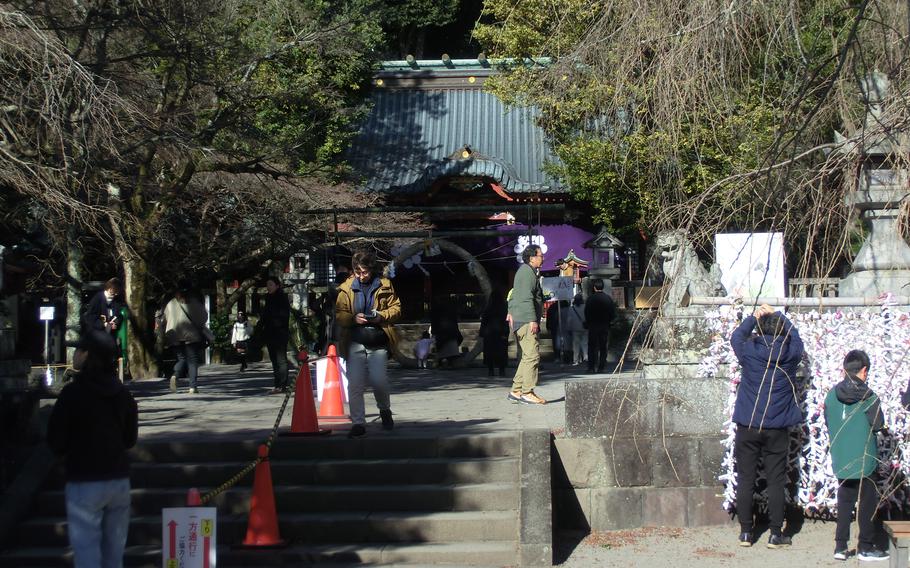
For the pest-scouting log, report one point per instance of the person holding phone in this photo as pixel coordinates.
(105, 312)
(365, 311)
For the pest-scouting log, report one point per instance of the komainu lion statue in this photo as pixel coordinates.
(683, 271)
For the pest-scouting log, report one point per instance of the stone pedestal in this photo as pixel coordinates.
(883, 263)
(640, 453)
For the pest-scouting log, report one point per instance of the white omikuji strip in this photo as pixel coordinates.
(885, 335)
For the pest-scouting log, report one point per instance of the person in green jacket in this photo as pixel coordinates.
(853, 414)
(525, 311)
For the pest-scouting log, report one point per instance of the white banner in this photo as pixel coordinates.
(322, 366)
(752, 264)
(188, 537)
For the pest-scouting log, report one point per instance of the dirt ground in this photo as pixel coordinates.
(706, 547)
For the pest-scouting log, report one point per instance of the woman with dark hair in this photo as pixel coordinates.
(494, 329)
(184, 317)
(365, 312)
(241, 333)
(274, 318)
(444, 329)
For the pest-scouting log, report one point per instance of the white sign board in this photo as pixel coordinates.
(322, 366)
(752, 264)
(188, 537)
(46, 313)
(558, 287)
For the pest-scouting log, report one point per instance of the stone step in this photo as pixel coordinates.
(498, 496)
(414, 555)
(335, 446)
(349, 527)
(324, 472)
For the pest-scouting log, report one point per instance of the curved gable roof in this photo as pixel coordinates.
(414, 135)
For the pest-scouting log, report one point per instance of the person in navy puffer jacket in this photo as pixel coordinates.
(767, 406)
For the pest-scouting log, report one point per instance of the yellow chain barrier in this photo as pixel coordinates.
(252, 465)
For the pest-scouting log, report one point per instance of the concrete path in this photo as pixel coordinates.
(237, 405)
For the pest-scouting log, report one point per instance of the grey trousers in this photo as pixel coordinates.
(367, 365)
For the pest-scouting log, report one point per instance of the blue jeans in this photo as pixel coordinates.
(187, 360)
(98, 517)
(367, 365)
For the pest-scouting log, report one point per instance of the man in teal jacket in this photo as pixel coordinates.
(853, 415)
(525, 311)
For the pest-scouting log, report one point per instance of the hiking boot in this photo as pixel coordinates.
(532, 398)
(779, 540)
(873, 555)
(357, 431)
(173, 383)
(745, 539)
(387, 422)
(514, 397)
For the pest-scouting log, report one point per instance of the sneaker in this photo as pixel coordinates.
(842, 554)
(514, 397)
(387, 422)
(873, 555)
(193, 390)
(532, 398)
(173, 383)
(357, 431)
(779, 540)
(745, 539)
(276, 390)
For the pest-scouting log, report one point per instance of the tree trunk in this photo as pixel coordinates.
(74, 277)
(141, 343)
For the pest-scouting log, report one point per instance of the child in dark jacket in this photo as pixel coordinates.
(766, 408)
(853, 415)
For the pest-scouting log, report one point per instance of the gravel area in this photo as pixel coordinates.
(705, 547)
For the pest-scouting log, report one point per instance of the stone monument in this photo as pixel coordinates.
(883, 263)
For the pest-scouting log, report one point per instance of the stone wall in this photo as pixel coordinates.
(640, 452)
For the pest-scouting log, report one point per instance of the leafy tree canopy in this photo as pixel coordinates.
(704, 114)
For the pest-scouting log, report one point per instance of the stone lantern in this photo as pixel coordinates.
(603, 262)
(883, 263)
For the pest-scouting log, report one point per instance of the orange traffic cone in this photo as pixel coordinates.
(303, 418)
(331, 408)
(262, 529)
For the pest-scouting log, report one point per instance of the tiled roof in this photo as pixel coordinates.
(422, 121)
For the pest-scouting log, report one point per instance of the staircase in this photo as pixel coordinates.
(431, 498)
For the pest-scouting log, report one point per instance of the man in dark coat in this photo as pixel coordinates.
(276, 327)
(93, 424)
(765, 410)
(600, 311)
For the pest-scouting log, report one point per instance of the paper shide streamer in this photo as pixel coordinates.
(882, 333)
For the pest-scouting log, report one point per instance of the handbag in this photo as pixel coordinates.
(208, 337)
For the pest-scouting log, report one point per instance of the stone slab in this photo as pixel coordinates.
(704, 507)
(675, 462)
(616, 508)
(711, 456)
(572, 508)
(690, 407)
(606, 408)
(582, 462)
(665, 507)
(635, 407)
(536, 504)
